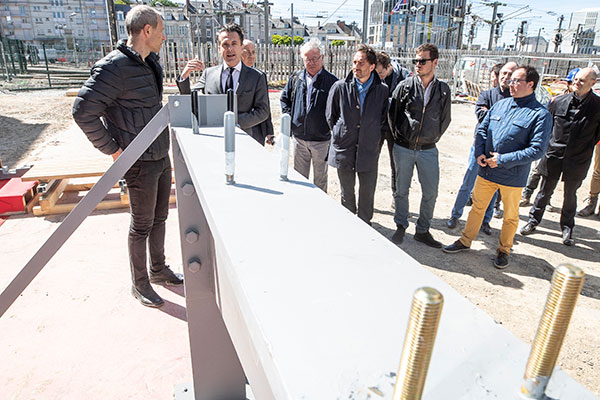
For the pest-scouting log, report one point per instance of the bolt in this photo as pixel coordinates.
(176, 103)
(188, 189)
(418, 343)
(192, 236)
(194, 265)
(567, 282)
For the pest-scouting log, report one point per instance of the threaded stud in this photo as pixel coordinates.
(567, 282)
(418, 344)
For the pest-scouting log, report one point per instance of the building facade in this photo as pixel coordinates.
(407, 24)
(59, 24)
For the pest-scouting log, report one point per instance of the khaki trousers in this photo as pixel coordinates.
(482, 194)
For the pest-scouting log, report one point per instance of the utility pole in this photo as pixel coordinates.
(365, 20)
(266, 4)
(497, 29)
(558, 37)
(407, 21)
(537, 41)
(576, 38)
(292, 44)
(493, 25)
(520, 34)
(460, 15)
(112, 22)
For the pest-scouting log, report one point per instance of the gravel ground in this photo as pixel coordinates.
(32, 122)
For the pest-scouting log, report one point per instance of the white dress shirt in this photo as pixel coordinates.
(236, 76)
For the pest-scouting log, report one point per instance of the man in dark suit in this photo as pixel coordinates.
(249, 84)
(263, 130)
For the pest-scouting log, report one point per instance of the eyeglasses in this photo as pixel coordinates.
(312, 60)
(515, 81)
(421, 61)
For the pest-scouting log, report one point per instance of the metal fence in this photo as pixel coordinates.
(278, 63)
(13, 59)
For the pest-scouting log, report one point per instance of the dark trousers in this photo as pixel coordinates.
(387, 137)
(569, 207)
(149, 186)
(366, 192)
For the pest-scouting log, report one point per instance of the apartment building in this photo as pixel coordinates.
(60, 24)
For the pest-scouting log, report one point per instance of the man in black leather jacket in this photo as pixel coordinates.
(122, 95)
(419, 115)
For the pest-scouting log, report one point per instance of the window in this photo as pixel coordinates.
(121, 29)
(49, 30)
(208, 33)
(47, 18)
(24, 20)
(22, 10)
(120, 16)
(182, 30)
(36, 8)
(169, 30)
(61, 2)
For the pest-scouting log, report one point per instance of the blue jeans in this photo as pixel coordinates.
(462, 197)
(429, 176)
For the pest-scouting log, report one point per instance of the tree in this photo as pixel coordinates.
(166, 3)
(298, 40)
(286, 40)
(276, 40)
(338, 42)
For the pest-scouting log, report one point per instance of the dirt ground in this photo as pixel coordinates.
(34, 126)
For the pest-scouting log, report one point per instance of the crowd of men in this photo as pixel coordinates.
(343, 123)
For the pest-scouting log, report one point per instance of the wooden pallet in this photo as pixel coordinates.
(59, 180)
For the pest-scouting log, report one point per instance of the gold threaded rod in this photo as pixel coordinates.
(567, 282)
(418, 344)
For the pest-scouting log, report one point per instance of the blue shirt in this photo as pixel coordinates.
(363, 88)
(518, 130)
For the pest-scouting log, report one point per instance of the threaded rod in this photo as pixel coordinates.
(567, 282)
(418, 344)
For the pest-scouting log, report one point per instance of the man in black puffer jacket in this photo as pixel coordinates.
(122, 95)
(419, 115)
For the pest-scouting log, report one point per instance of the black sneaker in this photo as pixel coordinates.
(452, 222)
(455, 247)
(147, 296)
(166, 276)
(425, 237)
(501, 260)
(398, 236)
(486, 228)
(528, 229)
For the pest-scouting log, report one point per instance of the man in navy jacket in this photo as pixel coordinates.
(514, 133)
(304, 98)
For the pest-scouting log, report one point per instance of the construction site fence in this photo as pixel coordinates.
(279, 62)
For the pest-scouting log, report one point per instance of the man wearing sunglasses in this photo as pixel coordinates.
(513, 134)
(419, 115)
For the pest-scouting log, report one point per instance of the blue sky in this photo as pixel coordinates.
(540, 15)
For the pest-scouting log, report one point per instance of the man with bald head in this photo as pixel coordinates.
(575, 131)
(264, 130)
(485, 101)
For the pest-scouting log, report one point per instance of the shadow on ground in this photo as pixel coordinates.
(13, 148)
(479, 263)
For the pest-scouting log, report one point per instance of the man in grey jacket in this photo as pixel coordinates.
(419, 115)
(113, 106)
(249, 84)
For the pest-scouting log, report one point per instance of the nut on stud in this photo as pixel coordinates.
(188, 189)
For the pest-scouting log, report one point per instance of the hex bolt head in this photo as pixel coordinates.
(192, 236)
(194, 266)
(188, 189)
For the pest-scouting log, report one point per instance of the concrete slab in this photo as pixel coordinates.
(76, 332)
